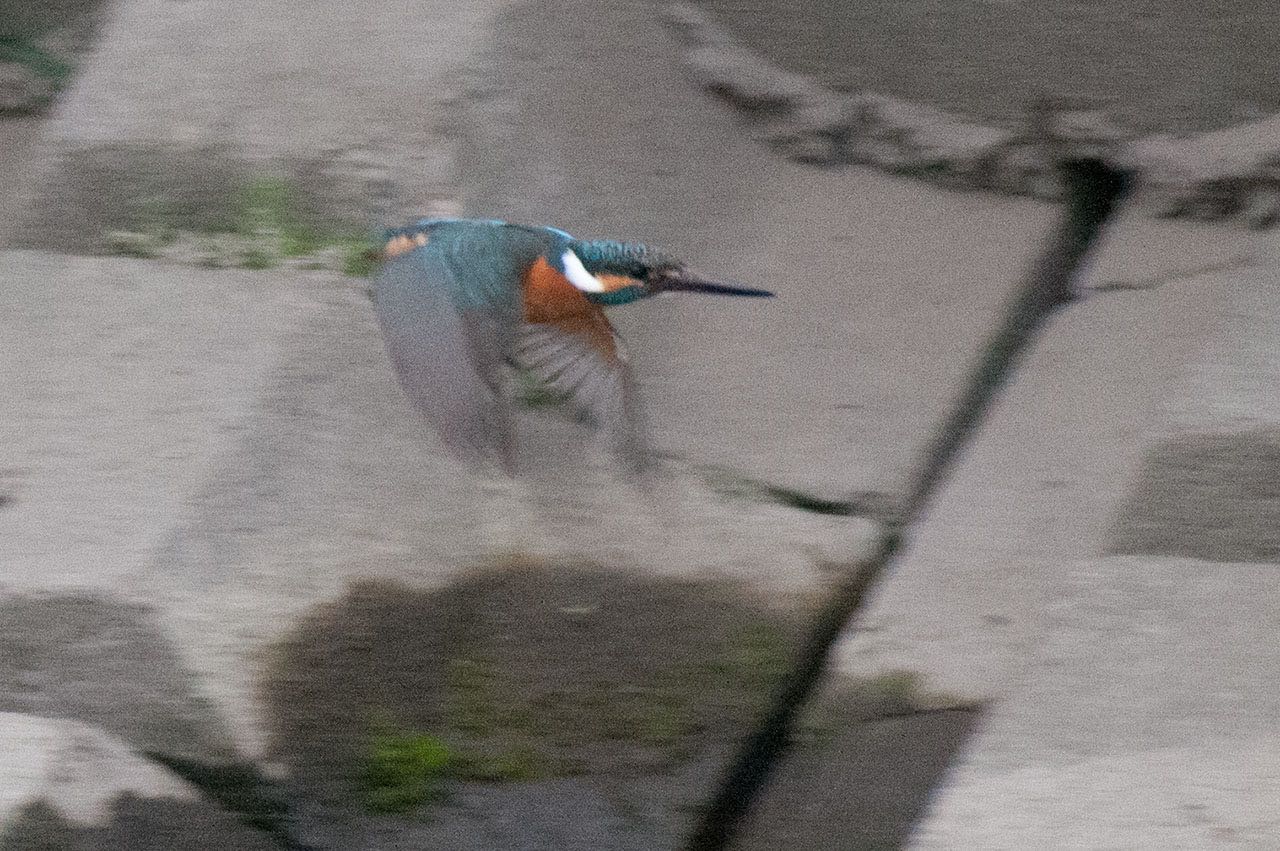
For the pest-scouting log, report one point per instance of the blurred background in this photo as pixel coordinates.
(933, 561)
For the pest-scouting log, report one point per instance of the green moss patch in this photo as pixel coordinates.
(265, 227)
(268, 209)
(404, 770)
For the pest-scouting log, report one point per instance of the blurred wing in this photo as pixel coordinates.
(448, 361)
(581, 358)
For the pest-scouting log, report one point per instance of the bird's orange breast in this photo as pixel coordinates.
(550, 299)
(549, 295)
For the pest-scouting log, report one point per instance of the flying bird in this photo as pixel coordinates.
(460, 301)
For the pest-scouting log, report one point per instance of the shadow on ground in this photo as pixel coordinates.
(529, 707)
(867, 778)
(105, 663)
(570, 694)
(1214, 497)
(138, 824)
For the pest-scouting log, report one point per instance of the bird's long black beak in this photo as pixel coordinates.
(688, 283)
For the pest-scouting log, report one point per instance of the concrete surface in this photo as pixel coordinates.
(18, 138)
(139, 824)
(215, 454)
(216, 506)
(1139, 253)
(1207, 488)
(132, 379)
(859, 785)
(1162, 65)
(1130, 693)
(238, 452)
(69, 785)
(1037, 488)
(1146, 719)
(76, 768)
(23, 19)
(93, 658)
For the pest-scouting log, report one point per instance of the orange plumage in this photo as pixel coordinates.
(550, 299)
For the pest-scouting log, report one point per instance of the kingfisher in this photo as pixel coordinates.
(461, 301)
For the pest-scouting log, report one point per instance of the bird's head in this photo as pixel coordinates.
(610, 272)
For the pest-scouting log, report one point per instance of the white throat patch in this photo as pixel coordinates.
(578, 274)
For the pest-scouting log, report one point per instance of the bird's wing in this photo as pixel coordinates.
(580, 357)
(449, 360)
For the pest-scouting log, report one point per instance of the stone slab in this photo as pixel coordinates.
(1207, 485)
(18, 138)
(34, 19)
(1147, 719)
(75, 767)
(65, 784)
(1039, 486)
(241, 494)
(126, 381)
(1137, 252)
(1128, 699)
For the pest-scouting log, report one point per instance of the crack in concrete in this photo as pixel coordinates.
(1154, 282)
(1093, 189)
(874, 505)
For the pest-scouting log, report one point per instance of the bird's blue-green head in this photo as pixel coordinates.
(610, 272)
